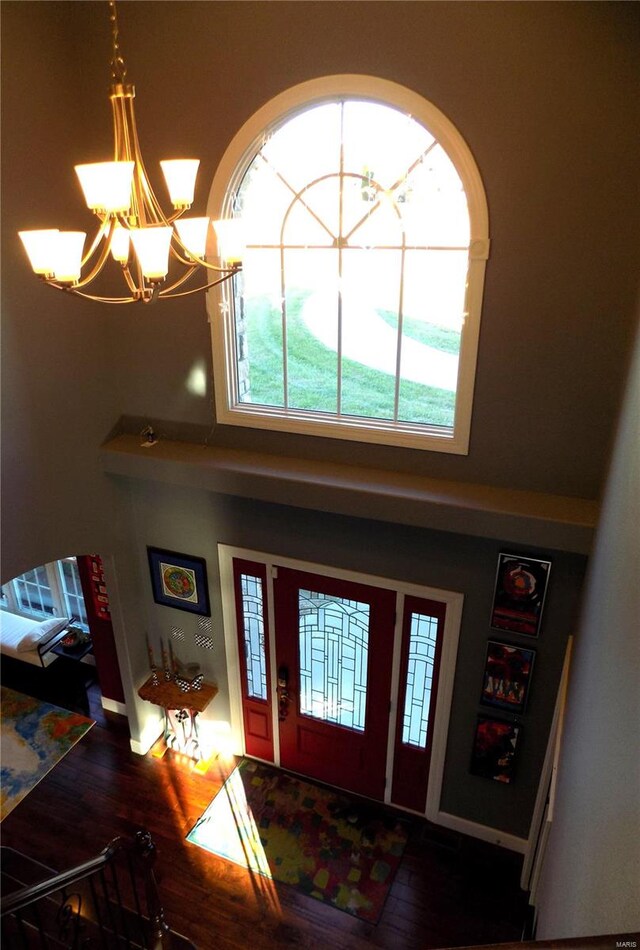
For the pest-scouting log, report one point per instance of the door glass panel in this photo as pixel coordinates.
(334, 653)
(253, 627)
(422, 649)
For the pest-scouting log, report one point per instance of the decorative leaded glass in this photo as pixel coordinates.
(334, 651)
(253, 627)
(422, 651)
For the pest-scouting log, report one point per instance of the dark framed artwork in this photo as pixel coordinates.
(494, 749)
(179, 580)
(507, 675)
(520, 591)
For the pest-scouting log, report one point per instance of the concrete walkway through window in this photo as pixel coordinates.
(368, 339)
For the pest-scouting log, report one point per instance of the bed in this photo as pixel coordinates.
(31, 641)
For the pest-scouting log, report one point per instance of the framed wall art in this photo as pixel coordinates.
(518, 600)
(179, 580)
(507, 674)
(494, 749)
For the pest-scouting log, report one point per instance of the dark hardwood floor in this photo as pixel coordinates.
(450, 890)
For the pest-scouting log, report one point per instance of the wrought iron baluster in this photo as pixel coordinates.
(112, 923)
(133, 881)
(98, 913)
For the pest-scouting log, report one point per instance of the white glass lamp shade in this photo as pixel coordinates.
(68, 256)
(193, 234)
(180, 176)
(231, 241)
(40, 247)
(106, 185)
(152, 249)
(119, 246)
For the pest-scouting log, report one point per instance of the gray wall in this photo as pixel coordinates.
(544, 96)
(195, 522)
(591, 875)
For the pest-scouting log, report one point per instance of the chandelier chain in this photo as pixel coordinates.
(118, 68)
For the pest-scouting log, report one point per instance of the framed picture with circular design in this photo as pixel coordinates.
(520, 591)
(179, 580)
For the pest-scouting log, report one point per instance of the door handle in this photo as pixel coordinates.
(284, 699)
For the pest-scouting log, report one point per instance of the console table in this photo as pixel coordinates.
(181, 710)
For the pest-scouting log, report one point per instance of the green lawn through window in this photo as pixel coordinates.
(313, 369)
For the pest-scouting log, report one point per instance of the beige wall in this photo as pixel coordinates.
(591, 872)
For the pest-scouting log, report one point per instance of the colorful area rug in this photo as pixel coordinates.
(325, 844)
(35, 736)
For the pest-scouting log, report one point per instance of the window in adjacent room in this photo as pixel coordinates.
(51, 590)
(357, 311)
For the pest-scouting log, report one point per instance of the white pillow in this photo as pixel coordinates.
(41, 631)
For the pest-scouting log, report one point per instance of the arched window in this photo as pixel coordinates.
(357, 312)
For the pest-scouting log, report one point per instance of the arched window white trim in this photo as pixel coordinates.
(233, 166)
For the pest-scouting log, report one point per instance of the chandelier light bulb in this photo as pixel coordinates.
(152, 250)
(119, 245)
(40, 248)
(67, 264)
(180, 176)
(106, 185)
(231, 240)
(193, 234)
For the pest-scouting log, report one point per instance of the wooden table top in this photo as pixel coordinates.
(168, 695)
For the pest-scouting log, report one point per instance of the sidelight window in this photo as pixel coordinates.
(253, 627)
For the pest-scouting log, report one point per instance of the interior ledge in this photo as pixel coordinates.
(533, 518)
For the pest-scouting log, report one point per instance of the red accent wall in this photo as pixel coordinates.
(99, 617)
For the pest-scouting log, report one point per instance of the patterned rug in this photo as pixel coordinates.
(35, 736)
(327, 845)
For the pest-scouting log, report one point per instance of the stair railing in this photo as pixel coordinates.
(110, 901)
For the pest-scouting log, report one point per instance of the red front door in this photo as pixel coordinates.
(334, 648)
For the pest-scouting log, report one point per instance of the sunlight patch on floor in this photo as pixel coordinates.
(234, 833)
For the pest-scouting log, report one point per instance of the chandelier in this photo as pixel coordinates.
(157, 253)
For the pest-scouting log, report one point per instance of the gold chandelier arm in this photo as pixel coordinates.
(149, 200)
(233, 269)
(168, 294)
(131, 284)
(96, 241)
(80, 293)
(193, 261)
(102, 258)
(180, 280)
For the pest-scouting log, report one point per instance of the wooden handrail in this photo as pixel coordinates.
(33, 892)
(141, 854)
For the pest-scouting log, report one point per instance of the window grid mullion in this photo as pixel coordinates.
(283, 312)
(340, 243)
(396, 394)
(12, 597)
(54, 576)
